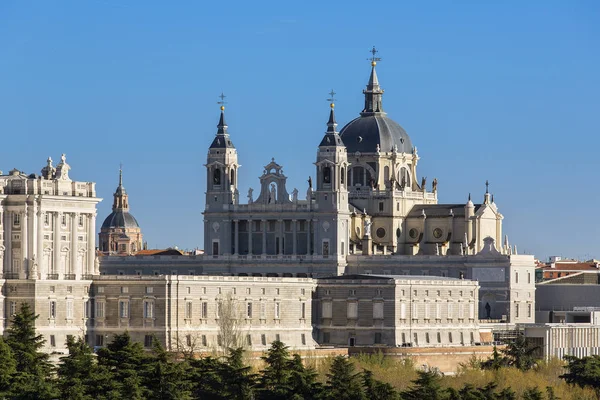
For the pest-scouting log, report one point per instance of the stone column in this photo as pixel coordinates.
(74, 269)
(91, 243)
(57, 224)
(281, 234)
(236, 237)
(24, 243)
(294, 238)
(8, 222)
(308, 253)
(264, 236)
(250, 237)
(40, 243)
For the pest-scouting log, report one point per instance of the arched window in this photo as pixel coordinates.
(386, 174)
(404, 177)
(327, 175)
(358, 176)
(342, 176)
(217, 177)
(232, 177)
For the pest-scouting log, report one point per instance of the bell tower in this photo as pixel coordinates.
(221, 188)
(331, 194)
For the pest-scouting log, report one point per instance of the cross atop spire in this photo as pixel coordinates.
(332, 98)
(487, 186)
(222, 102)
(373, 58)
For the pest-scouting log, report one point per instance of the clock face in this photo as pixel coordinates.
(413, 233)
(437, 233)
(380, 233)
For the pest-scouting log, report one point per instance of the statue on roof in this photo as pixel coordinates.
(310, 182)
(250, 195)
(423, 183)
(434, 185)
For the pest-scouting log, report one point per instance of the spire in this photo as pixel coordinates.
(373, 92)
(331, 124)
(331, 138)
(121, 202)
(222, 139)
(486, 198)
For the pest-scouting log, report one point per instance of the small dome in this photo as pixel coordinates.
(364, 133)
(120, 219)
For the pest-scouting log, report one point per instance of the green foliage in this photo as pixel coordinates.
(8, 368)
(426, 386)
(76, 373)
(342, 382)
(583, 372)
(166, 379)
(376, 390)
(495, 362)
(32, 378)
(520, 353)
(533, 394)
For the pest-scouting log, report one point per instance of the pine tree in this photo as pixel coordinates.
(76, 371)
(128, 364)
(506, 394)
(166, 379)
(550, 393)
(238, 381)
(426, 386)
(342, 382)
(303, 381)
(205, 377)
(274, 382)
(377, 390)
(520, 353)
(8, 368)
(533, 393)
(32, 379)
(495, 362)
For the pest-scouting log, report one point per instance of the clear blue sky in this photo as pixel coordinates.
(507, 92)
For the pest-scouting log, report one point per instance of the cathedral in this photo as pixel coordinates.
(311, 267)
(367, 198)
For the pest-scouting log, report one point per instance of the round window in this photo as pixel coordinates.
(437, 233)
(413, 233)
(380, 233)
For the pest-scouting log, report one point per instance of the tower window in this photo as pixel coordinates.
(327, 175)
(232, 177)
(342, 176)
(217, 177)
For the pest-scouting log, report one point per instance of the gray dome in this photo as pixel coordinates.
(120, 219)
(364, 133)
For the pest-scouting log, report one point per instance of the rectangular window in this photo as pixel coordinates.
(438, 311)
(148, 341)
(218, 310)
(64, 220)
(81, 220)
(415, 311)
(99, 309)
(326, 337)
(403, 337)
(528, 310)
(219, 340)
(277, 309)
(124, 289)
(263, 310)
(426, 310)
(46, 219)
(52, 310)
(326, 248)
(378, 310)
(149, 289)
(52, 341)
(277, 337)
(99, 340)
(461, 310)
(402, 310)
(124, 309)
(426, 337)
(204, 342)
(517, 310)
(327, 309)
(249, 310)
(303, 311)
(13, 308)
(377, 337)
(248, 291)
(352, 312)
(100, 289)
(381, 206)
(16, 219)
(188, 309)
(204, 309)
(416, 339)
(249, 340)
(450, 310)
(303, 338)
(529, 277)
(516, 277)
(439, 337)
(148, 309)
(263, 339)
(471, 310)
(188, 340)
(69, 309)
(449, 337)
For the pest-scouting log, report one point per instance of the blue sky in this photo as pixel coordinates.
(505, 91)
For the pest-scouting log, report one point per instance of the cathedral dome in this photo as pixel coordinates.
(368, 132)
(120, 219)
